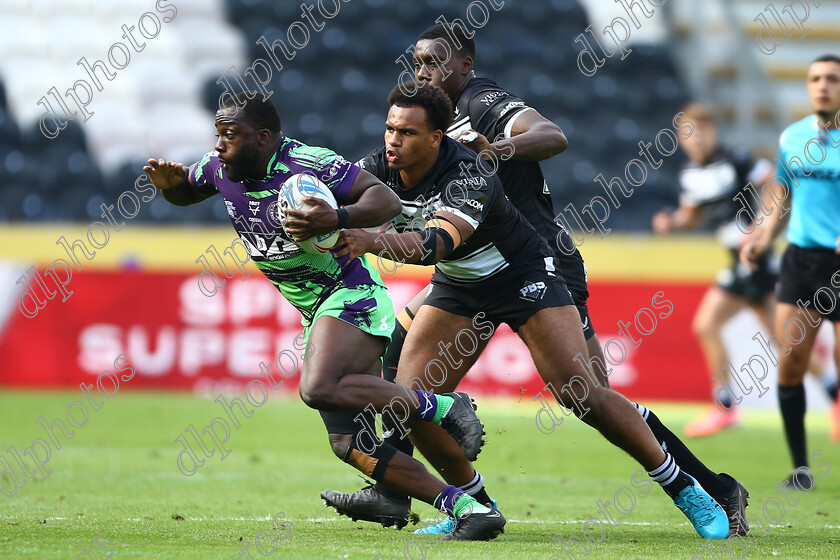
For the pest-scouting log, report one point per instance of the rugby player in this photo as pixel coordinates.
(807, 291)
(347, 314)
(711, 183)
(488, 257)
(523, 138)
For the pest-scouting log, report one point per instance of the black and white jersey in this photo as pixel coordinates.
(712, 186)
(502, 236)
(492, 111)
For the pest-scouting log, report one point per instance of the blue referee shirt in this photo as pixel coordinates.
(815, 204)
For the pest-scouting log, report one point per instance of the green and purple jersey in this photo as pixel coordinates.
(305, 279)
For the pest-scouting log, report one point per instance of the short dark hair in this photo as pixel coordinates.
(827, 58)
(431, 98)
(257, 110)
(451, 34)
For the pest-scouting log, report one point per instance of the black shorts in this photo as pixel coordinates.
(755, 286)
(513, 296)
(812, 276)
(347, 422)
(573, 270)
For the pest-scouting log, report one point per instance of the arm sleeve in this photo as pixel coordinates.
(370, 163)
(202, 177)
(468, 196)
(750, 170)
(761, 168)
(493, 113)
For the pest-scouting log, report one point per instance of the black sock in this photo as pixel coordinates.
(389, 424)
(792, 405)
(713, 483)
(475, 488)
(483, 498)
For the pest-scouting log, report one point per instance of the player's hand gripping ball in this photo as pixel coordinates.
(294, 190)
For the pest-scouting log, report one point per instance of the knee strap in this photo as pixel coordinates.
(372, 465)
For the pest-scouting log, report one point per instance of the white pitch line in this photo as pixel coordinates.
(530, 521)
(344, 518)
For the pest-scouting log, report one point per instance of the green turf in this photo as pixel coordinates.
(117, 476)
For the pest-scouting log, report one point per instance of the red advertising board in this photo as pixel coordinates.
(177, 338)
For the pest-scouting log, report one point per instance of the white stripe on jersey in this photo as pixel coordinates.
(509, 125)
(458, 122)
(456, 128)
(481, 264)
(707, 183)
(457, 212)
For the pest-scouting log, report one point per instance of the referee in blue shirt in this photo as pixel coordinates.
(808, 185)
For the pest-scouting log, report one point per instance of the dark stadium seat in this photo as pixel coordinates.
(9, 132)
(654, 56)
(77, 204)
(415, 15)
(11, 202)
(240, 10)
(33, 140)
(333, 92)
(124, 178)
(159, 211)
(210, 93)
(255, 27)
(568, 11)
(285, 14)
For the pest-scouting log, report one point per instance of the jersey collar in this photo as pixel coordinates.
(273, 165)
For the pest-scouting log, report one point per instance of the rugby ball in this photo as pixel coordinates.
(294, 190)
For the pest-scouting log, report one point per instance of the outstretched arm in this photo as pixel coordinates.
(173, 181)
(683, 218)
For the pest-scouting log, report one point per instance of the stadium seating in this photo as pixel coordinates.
(161, 104)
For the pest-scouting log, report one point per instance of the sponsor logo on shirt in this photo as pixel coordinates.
(491, 97)
(471, 181)
(510, 106)
(474, 204)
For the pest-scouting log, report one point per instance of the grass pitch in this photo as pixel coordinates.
(117, 478)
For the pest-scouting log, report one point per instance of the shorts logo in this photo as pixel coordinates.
(254, 206)
(532, 291)
(383, 325)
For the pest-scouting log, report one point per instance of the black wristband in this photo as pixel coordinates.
(343, 216)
